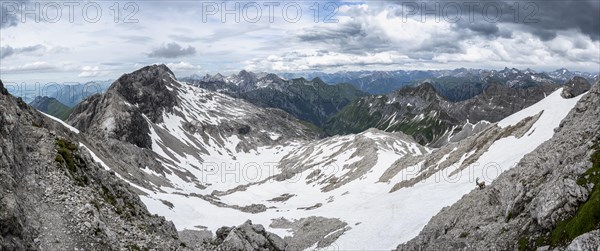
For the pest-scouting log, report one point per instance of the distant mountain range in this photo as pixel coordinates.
(309, 100)
(432, 119)
(316, 102)
(450, 83)
(71, 95)
(68, 94)
(432, 112)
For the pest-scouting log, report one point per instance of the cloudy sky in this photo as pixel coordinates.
(192, 37)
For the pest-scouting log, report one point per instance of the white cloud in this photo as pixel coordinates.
(369, 36)
(33, 66)
(183, 66)
(92, 71)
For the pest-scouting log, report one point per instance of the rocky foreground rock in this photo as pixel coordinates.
(55, 196)
(537, 204)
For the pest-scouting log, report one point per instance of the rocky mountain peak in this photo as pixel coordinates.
(51, 106)
(318, 80)
(424, 90)
(247, 77)
(272, 77)
(575, 87)
(150, 88)
(3, 90)
(426, 86)
(41, 99)
(121, 112)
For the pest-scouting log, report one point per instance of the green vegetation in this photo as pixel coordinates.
(587, 217)
(108, 196)
(523, 244)
(36, 124)
(71, 161)
(356, 117)
(95, 204)
(367, 113)
(135, 247)
(312, 101)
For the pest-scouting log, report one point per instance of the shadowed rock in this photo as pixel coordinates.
(575, 87)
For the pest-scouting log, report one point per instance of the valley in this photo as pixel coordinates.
(204, 159)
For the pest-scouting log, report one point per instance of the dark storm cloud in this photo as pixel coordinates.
(7, 51)
(341, 32)
(570, 14)
(172, 50)
(541, 18)
(483, 28)
(486, 29)
(349, 37)
(353, 38)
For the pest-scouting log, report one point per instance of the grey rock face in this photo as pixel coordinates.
(119, 113)
(3, 90)
(312, 230)
(54, 196)
(247, 236)
(148, 88)
(575, 87)
(587, 241)
(527, 201)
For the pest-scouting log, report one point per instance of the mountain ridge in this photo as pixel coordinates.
(309, 100)
(431, 118)
(52, 107)
(382, 82)
(526, 206)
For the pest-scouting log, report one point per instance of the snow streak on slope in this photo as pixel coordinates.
(383, 185)
(223, 142)
(333, 178)
(72, 129)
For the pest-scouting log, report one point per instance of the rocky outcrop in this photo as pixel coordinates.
(523, 206)
(3, 90)
(575, 87)
(312, 231)
(119, 113)
(148, 88)
(55, 196)
(497, 101)
(247, 237)
(587, 241)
